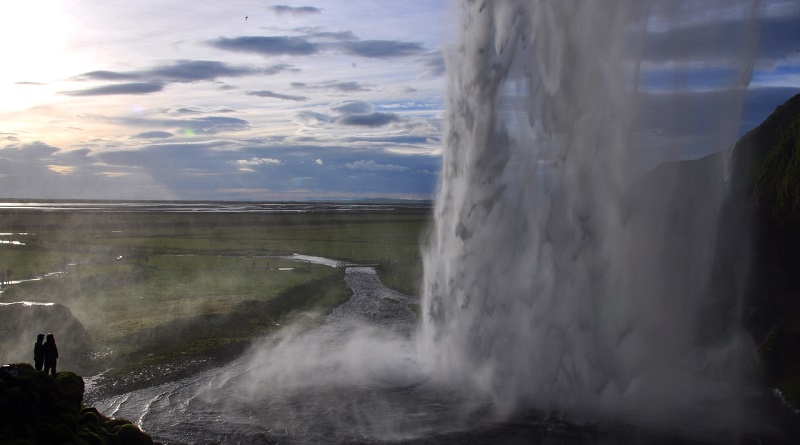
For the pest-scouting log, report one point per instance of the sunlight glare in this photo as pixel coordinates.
(33, 41)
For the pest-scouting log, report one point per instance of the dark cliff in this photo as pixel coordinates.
(766, 177)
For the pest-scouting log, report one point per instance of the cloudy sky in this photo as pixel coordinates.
(276, 100)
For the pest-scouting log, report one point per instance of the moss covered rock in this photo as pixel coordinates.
(36, 408)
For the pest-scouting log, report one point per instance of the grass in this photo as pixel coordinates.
(153, 287)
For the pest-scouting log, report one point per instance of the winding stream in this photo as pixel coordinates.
(354, 378)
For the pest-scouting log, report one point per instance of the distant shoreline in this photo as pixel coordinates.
(182, 206)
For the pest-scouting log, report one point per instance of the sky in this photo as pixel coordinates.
(312, 100)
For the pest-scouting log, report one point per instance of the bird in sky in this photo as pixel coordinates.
(245, 17)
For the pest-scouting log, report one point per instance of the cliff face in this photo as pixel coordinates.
(767, 183)
(757, 258)
(38, 409)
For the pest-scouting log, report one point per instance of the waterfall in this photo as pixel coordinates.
(556, 277)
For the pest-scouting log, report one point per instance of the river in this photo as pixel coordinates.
(355, 379)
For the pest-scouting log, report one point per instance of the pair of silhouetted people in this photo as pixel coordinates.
(45, 354)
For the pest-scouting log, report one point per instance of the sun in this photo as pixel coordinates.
(34, 38)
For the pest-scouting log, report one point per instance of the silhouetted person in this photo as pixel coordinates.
(50, 355)
(38, 352)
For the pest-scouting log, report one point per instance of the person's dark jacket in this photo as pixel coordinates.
(50, 352)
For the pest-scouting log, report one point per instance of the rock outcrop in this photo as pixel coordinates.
(36, 408)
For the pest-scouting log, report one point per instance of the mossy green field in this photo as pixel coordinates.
(149, 285)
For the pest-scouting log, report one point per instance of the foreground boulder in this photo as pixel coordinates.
(38, 409)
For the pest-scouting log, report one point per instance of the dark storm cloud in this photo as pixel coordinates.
(154, 135)
(374, 119)
(778, 38)
(267, 93)
(381, 49)
(267, 45)
(185, 71)
(122, 88)
(295, 10)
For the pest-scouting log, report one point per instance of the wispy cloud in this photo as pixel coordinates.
(295, 10)
(271, 94)
(267, 45)
(185, 71)
(154, 135)
(374, 119)
(351, 106)
(345, 87)
(258, 161)
(121, 88)
(371, 165)
(208, 125)
(343, 42)
(381, 49)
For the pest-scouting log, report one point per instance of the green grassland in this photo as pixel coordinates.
(151, 287)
